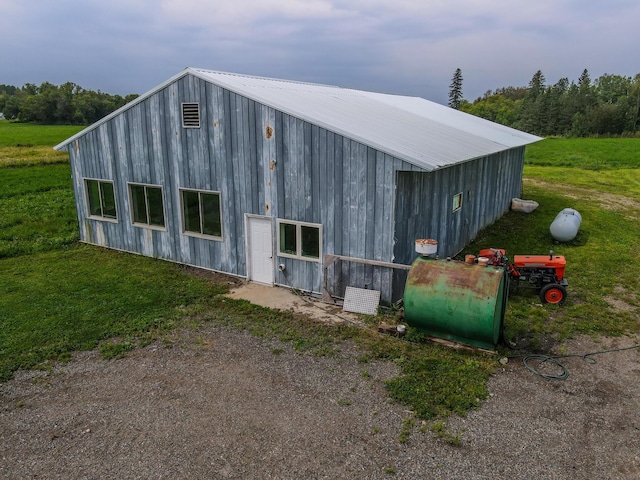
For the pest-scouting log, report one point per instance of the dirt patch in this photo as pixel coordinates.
(222, 404)
(286, 299)
(608, 201)
(620, 305)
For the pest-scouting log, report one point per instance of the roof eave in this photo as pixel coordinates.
(424, 165)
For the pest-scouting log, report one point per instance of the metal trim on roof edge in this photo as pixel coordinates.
(390, 104)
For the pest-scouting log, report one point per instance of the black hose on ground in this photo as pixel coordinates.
(545, 360)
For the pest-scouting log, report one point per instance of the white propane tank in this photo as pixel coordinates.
(566, 225)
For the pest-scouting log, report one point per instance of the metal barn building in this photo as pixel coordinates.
(308, 186)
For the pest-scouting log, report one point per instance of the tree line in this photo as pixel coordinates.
(610, 105)
(67, 104)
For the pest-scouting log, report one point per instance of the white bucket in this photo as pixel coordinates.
(483, 261)
(426, 246)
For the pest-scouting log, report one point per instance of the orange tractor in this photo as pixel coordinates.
(544, 273)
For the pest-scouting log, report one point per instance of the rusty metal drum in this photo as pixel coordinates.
(456, 301)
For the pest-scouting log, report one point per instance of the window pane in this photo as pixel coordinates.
(457, 201)
(108, 200)
(191, 212)
(138, 206)
(211, 224)
(310, 241)
(156, 209)
(288, 238)
(93, 192)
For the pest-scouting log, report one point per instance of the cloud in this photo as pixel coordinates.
(232, 16)
(401, 46)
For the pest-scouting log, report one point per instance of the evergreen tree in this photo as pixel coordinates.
(610, 105)
(455, 90)
(534, 106)
(558, 123)
(584, 82)
(536, 86)
(586, 98)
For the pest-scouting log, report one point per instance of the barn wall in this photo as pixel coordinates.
(300, 172)
(147, 144)
(424, 202)
(346, 187)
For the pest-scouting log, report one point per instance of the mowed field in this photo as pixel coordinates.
(58, 296)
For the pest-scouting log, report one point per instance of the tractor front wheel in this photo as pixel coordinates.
(553, 293)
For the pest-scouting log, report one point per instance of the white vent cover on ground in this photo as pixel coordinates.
(360, 300)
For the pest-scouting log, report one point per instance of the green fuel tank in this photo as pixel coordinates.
(458, 301)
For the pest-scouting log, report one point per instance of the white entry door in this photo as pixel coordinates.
(260, 249)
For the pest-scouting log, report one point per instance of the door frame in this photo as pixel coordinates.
(247, 245)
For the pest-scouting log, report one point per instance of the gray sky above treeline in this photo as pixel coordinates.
(409, 47)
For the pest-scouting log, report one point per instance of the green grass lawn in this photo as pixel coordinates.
(57, 296)
(603, 265)
(37, 209)
(13, 134)
(585, 153)
(575, 182)
(24, 144)
(70, 299)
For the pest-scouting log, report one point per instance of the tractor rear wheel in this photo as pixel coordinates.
(553, 293)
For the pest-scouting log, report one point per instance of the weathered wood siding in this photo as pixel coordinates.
(424, 204)
(300, 172)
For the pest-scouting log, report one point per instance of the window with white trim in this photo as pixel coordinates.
(101, 199)
(147, 205)
(457, 202)
(201, 213)
(300, 240)
(191, 115)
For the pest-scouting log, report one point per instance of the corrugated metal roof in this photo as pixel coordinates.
(413, 129)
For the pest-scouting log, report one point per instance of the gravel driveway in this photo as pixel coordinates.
(222, 404)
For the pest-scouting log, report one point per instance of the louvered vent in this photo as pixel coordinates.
(191, 115)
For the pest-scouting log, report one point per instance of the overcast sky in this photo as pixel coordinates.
(409, 47)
